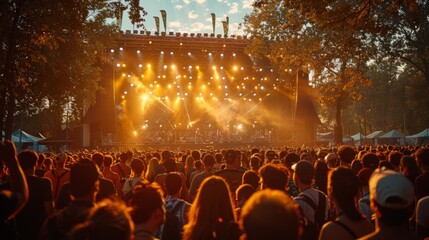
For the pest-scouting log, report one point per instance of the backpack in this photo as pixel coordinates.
(312, 230)
(172, 228)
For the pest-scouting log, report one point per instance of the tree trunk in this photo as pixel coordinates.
(2, 111)
(338, 129)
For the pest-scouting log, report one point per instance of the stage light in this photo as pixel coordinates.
(189, 87)
(132, 84)
(149, 66)
(178, 94)
(151, 85)
(138, 51)
(162, 52)
(181, 44)
(254, 94)
(118, 65)
(171, 53)
(123, 97)
(221, 67)
(142, 75)
(214, 67)
(235, 68)
(173, 67)
(226, 94)
(203, 87)
(121, 49)
(239, 126)
(163, 76)
(112, 50)
(124, 65)
(210, 54)
(190, 67)
(189, 54)
(123, 74)
(129, 75)
(262, 87)
(260, 69)
(242, 68)
(125, 92)
(169, 85)
(221, 54)
(224, 45)
(140, 65)
(234, 54)
(150, 42)
(197, 67)
(165, 66)
(226, 86)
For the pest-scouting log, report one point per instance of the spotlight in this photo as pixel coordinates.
(189, 53)
(138, 51)
(112, 50)
(121, 49)
(162, 52)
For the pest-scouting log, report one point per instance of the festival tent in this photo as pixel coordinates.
(357, 138)
(372, 138)
(25, 140)
(393, 137)
(325, 137)
(419, 138)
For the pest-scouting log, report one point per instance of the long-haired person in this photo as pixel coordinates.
(151, 169)
(212, 214)
(343, 191)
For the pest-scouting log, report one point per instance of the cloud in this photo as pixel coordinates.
(197, 27)
(186, 1)
(178, 7)
(200, 1)
(192, 15)
(247, 3)
(233, 8)
(175, 24)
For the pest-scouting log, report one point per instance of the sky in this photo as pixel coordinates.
(193, 16)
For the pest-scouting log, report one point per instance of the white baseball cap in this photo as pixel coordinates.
(391, 189)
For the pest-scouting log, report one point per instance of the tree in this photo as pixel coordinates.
(50, 53)
(309, 35)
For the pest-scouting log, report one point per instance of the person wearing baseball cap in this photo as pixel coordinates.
(391, 196)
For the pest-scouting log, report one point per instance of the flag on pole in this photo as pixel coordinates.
(225, 26)
(213, 22)
(164, 19)
(157, 23)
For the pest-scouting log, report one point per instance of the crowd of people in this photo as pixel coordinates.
(345, 192)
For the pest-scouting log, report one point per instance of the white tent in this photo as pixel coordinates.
(393, 137)
(22, 138)
(419, 138)
(372, 138)
(357, 138)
